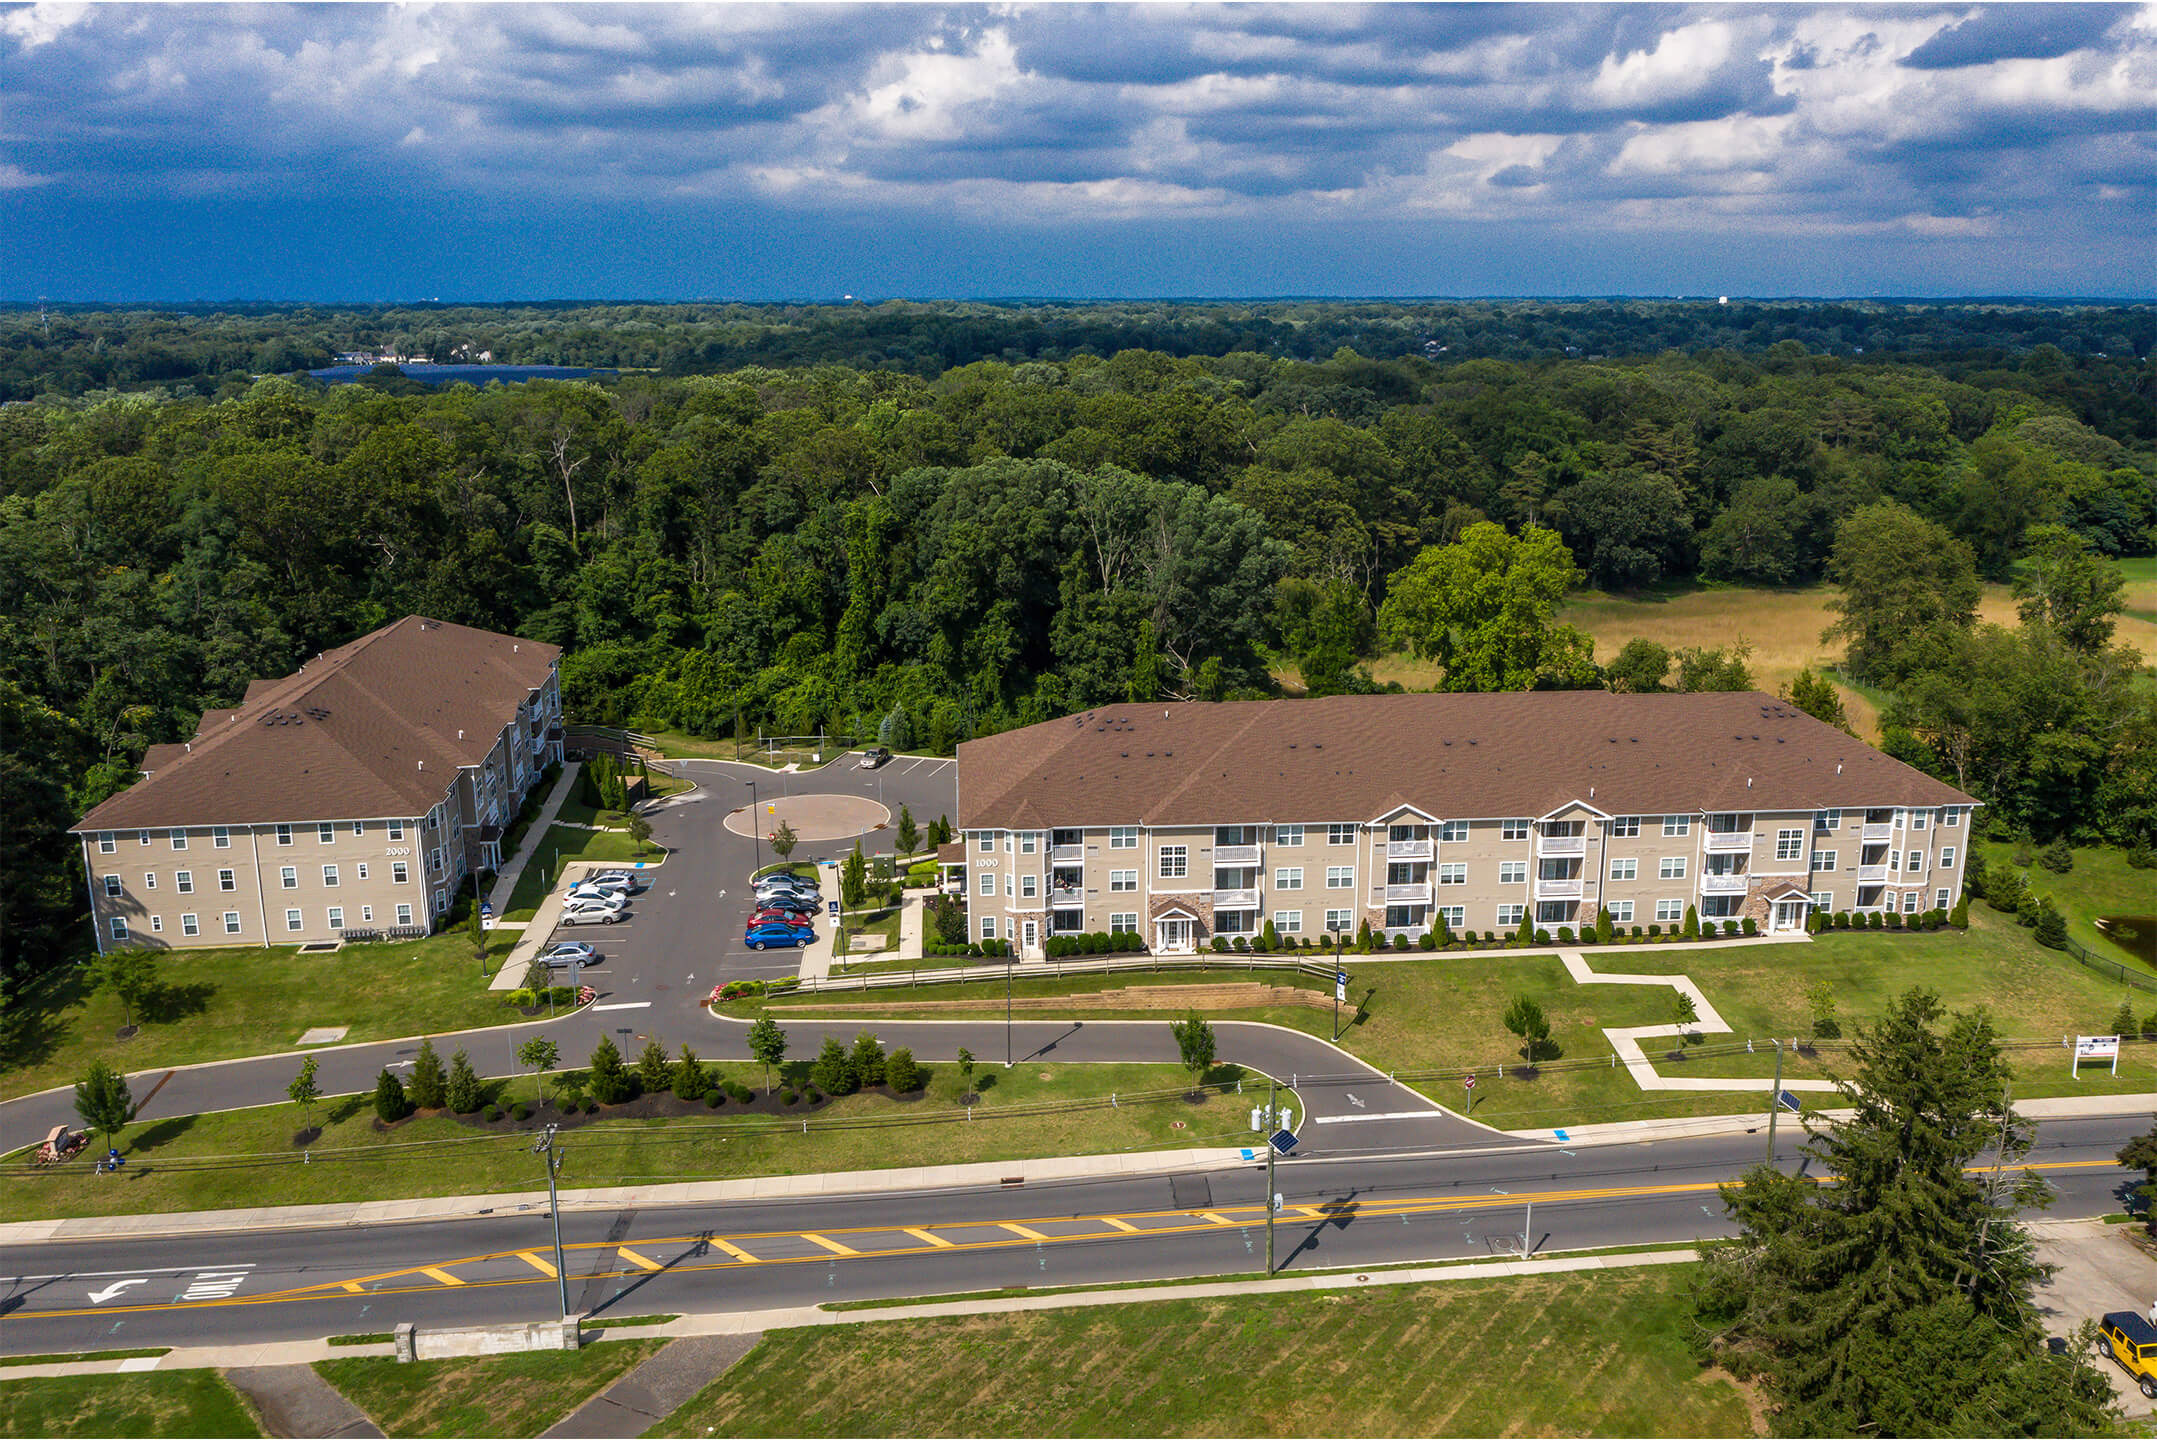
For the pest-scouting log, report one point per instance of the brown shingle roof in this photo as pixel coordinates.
(363, 731)
(1358, 757)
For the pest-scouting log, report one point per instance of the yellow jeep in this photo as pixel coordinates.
(2133, 1342)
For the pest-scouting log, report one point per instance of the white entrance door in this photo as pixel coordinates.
(1789, 915)
(1030, 935)
(1174, 935)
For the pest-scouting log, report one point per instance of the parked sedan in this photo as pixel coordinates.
(627, 881)
(591, 912)
(796, 904)
(870, 759)
(788, 892)
(785, 882)
(779, 917)
(594, 895)
(783, 937)
(569, 952)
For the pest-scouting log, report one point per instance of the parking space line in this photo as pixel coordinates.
(928, 1237)
(544, 1267)
(642, 1262)
(737, 1252)
(440, 1277)
(832, 1245)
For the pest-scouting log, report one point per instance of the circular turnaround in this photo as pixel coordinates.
(811, 817)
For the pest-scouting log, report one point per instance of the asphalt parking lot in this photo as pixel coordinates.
(683, 935)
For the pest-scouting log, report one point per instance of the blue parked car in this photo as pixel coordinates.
(780, 935)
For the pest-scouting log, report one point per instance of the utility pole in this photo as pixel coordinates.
(1007, 1012)
(1775, 1100)
(756, 825)
(1273, 1120)
(545, 1149)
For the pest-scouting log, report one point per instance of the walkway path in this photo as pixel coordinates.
(656, 1389)
(294, 1400)
(1626, 1040)
(505, 881)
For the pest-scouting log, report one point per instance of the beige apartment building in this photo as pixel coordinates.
(1183, 822)
(349, 799)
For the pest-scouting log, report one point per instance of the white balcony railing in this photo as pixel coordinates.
(1724, 884)
(1561, 844)
(1872, 874)
(1071, 854)
(1408, 849)
(1069, 897)
(1402, 894)
(1235, 900)
(1235, 854)
(1876, 834)
(1725, 842)
(1557, 889)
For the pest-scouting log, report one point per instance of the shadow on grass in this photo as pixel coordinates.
(35, 1023)
(163, 1132)
(168, 1003)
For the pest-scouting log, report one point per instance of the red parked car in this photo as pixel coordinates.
(780, 917)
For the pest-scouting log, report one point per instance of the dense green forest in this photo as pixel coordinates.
(864, 546)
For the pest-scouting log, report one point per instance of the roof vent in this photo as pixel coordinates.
(460, 734)
(1164, 714)
(1748, 782)
(1838, 767)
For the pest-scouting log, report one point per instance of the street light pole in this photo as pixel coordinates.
(545, 1149)
(756, 825)
(1775, 1100)
(1007, 1012)
(1273, 1119)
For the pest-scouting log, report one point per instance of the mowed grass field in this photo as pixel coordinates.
(174, 1403)
(244, 1158)
(496, 1395)
(1595, 1353)
(1783, 627)
(218, 1004)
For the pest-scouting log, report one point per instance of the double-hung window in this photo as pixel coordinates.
(1288, 922)
(107, 842)
(325, 831)
(1512, 872)
(987, 885)
(289, 877)
(1340, 877)
(1625, 868)
(1453, 872)
(112, 887)
(1947, 857)
(1175, 862)
(1455, 916)
(184, 881)
(1827, 821)
(149, 879)
(1789, 844)
(232, 922)
(1670, 909)
(1509, 916)
(1677, 825)
(1453, 832)
(179, 838)
(1122, 880)
(1339, 921)
(396, 829)
(220, 838)
(1673, 867)
(1123, 922)
(986, 842)
(1288, 877)
(1823, 861)
(329, 876)
(292, 920)
(1340, 834)
(1288, 835)
(1123, 837)
(1625, 827)
(399, 872)
(284, 834)
(1621, 911)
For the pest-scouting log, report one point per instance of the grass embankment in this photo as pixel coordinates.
(246, 1157)
(1465, 1358)
(174, 1403)
(2102, 883)
(493, 1395)
(1446, 1013)
(558, 847)
(218, 1004)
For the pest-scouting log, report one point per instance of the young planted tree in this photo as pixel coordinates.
(833, 1071)
(1684, 1014)
(966, 1070)
(854, 879)
(304, 1092)
(655, 1072)
(908, 834)
(1822, 999)
(611, 1082)
(783, 840)
(390, 1102)
(103, 1101)
(1525, 1018)
(1602, 925)
(868, 1060)
(465, 1091)
(903, 1073)
(767, 1046)
(691, 1082)
(539, 1054)
(1692, 922)
(428, 1088)
(1195, 1045)
(130, 975)
(640, 834)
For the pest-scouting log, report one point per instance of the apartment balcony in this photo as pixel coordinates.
(1872, 874)
(1557, 889)
(1728, 842)
(1067, 854)
(1067, 897)
(1234, 900)
(1876, 834)
(1561, 845)
(1235, 854)
(1724, 884)
(1401, 894)
(1408, 849)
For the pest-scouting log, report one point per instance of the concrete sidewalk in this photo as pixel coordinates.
(505, 881)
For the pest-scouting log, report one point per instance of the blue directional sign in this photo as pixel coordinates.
(1340, 986)
(1283, 1141)
(834, 906)
(1788, 1101)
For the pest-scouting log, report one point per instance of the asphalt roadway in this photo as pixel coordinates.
(1340, 1210)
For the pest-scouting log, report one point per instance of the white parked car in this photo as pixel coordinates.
(587, 911)
(585, 890)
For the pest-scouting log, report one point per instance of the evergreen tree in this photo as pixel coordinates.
(1900, 1299)
(611, 1082)
(1602, 925)
(464, 1092)
(655, 1073)
(390, 1103)
(833, 1071)
(903, 1073)
(428, 1088)
(854, 879)
(690, 1080)
(1525, 1018)
(1526, 933)
(1692, 923)
(868, 1060)
(1817, 696)
(908, 833)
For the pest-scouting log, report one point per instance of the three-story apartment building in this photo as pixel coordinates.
(351, 796)
(1183, 822)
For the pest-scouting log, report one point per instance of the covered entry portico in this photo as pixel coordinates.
(1175, 931)
(1788, 905)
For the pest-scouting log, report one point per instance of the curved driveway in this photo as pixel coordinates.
(687, 940)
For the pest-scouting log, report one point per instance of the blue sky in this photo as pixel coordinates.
(358, 152)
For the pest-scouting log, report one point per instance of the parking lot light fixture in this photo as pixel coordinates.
(756, 824)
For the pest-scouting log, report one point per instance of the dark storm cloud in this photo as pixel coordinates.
(2017, 32)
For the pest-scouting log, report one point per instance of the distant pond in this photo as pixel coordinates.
(2136, 934)
(469, 374)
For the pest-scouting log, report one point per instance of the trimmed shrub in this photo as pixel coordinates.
(1894, 919)
(902, 1073)
(1637, 932)
(1400, 942)
(1692, 922)
(1654, 931)
(389, 1100)
(1428, 941)
(1749, 926)
(491, 1114)
(1842, 919)
(2057, 857)
(833, 1069)
(1220, 944)
(1542, 937)
(1874, 922)
(520, 1111)
(788, 1097)
(713, 1099)
(1240, 945)
(1730, 927)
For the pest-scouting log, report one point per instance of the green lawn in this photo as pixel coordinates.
(1599, 1353)
(1446, 1013)
(217, 1004)
(246, 1158)
(492, 1395)
(176, 1403)
(2102, 883)
(560, 845)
